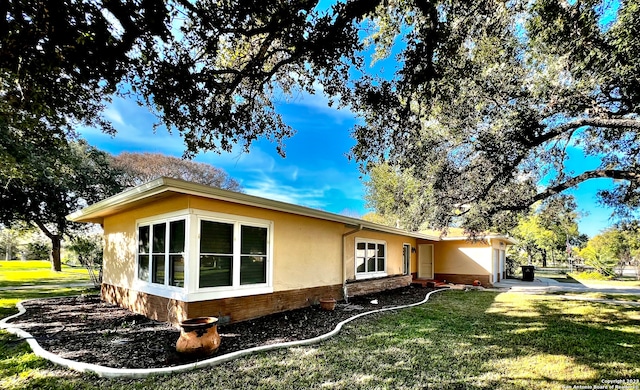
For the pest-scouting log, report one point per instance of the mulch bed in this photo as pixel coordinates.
(88, 330)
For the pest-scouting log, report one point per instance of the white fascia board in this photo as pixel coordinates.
(508, 239)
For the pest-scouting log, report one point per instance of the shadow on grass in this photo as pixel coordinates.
(458, 340)
(21, 369)
(563, 279)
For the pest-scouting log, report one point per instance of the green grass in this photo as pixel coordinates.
(615, 297)
(596, 279)
(459, 340)
(35, 272)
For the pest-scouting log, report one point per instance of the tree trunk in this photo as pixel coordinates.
(544, 259)
(56, 263)
(56, 239)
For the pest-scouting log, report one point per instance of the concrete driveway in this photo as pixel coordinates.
(546, 285)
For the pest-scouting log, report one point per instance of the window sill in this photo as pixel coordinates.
(181, 294)
(370, 275)
(231, 292)
(171, 292)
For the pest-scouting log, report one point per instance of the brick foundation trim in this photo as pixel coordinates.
(228, 310)
(367, 286)
(246, 308)
(464, 279)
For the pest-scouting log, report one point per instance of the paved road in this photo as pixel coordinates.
(545, 285)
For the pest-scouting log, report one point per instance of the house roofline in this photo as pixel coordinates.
(510, 240)
(97, 211)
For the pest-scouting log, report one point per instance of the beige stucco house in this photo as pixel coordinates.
(176, 250)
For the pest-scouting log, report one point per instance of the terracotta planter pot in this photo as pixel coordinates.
(327, 304)
(199, 336)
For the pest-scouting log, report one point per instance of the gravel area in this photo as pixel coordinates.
(88, 330)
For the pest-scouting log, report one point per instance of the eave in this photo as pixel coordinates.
(164, 187)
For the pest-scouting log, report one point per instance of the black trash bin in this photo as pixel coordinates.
(528, 273)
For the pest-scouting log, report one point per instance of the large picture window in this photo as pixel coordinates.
(161, 247)
(232, 254)
(370, 258)
(216, 254)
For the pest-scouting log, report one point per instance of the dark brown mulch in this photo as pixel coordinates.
(89, 330)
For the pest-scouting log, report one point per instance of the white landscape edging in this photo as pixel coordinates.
(110, 372)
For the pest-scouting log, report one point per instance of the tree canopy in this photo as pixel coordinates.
(485, 103)
(548, 232)
(614, 249)
(139, 168)
(44, 184)
(487, 119)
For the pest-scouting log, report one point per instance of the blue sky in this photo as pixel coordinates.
(315, 173)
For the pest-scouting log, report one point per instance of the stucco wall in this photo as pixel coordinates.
(394, 250)
(462, 257)
(307, 252)
(120, 239)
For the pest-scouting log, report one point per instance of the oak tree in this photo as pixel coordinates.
(492, 99)
(485, 102)
(45, 184)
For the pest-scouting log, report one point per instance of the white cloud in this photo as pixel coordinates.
(113, 115)
(267, 187)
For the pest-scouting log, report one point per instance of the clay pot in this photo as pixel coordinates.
(199, 336)
(327, 304)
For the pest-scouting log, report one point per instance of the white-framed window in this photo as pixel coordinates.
(194, 255)
(162, 251)
(370, 258)
(233, 254)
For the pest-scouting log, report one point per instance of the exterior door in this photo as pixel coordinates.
(406, 257)
(425, 261)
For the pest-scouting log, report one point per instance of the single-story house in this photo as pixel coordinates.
(176, 250)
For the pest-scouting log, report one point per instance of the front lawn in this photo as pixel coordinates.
(15, 273)
(459, 340)
(597, 295)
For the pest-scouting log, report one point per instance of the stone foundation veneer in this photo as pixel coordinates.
(367, 286)
(228, 310)
(237, 309)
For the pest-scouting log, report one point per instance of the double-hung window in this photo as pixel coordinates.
(232, 254)
(161, 252)
(370, 258)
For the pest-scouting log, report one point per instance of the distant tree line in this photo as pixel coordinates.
(41, 185)
(614, 250)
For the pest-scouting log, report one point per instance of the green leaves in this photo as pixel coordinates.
(513, 87)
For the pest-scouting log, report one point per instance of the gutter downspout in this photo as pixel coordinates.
(344, 262)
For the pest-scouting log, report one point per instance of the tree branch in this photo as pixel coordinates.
(557, 131)
(593, 122)
(44, 229)
(615, 174)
